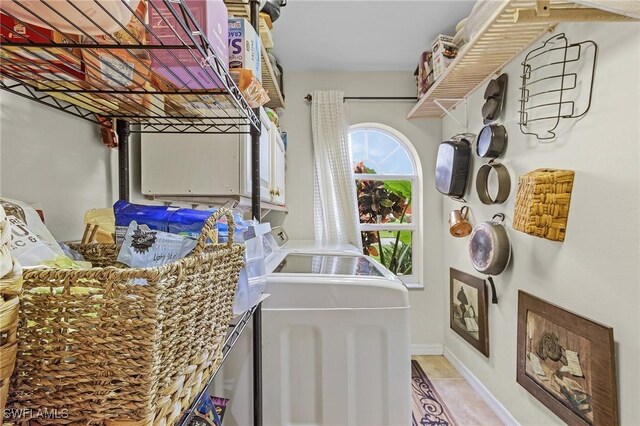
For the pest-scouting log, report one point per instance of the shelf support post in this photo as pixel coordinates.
(123, 131)
(255, 213)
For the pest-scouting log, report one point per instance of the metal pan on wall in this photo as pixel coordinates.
(490, 249)
(492, 141)
(494, 94)
(453, 165)
(482, 183)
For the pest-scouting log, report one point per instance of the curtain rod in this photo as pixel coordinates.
(372, 98)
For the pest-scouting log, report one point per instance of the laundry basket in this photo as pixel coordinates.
(10, 286)
(101, 346)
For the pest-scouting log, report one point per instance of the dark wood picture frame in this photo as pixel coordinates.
(481, 342)
(591, 397)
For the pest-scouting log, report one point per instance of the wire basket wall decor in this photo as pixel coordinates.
(552, 76)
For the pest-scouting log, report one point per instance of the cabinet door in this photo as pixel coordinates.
(265, 156)
(190, 164)
(278, 170)
(265, 159)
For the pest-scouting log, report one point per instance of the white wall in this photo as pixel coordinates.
(54, 159)
(594, 272)
(426, 310)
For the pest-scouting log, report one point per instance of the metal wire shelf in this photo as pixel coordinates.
(233, 334)
(131, 73)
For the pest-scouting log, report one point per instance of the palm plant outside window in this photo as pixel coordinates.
(386, 177)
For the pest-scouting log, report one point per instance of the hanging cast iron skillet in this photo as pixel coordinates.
(492, 140)
(489, 249)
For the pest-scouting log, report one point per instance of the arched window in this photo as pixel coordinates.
(387, 175)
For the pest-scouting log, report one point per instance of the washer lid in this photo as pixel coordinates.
(327, 264)
(312, 246)
(328, 281)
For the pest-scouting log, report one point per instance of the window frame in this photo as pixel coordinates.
(414, 280)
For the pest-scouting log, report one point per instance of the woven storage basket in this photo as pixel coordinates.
(542, 203)
(10, 286)
(99, 349)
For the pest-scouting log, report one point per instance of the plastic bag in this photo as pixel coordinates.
(10, 269)
(6, 261)
(186, 222)
(155, 217)
(30, 217)
(31, 251)
(145, 248)
(253, 277)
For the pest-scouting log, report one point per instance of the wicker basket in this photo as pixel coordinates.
(97, 347)
(10, 286)
(542, 203)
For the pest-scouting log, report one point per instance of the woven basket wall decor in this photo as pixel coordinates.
(542, 203)
(10, 287)
(112, 346)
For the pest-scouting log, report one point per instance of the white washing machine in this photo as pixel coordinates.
(335, 342)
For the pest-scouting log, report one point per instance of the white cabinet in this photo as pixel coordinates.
(208, 165)
(278, 167)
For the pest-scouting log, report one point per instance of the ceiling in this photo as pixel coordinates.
(362, 35)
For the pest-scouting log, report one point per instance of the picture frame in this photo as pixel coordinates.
(468, 309)
(567, 362)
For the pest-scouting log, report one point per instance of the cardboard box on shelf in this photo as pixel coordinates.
(244, 47)
(265, 31)
(48, 72)
(13, 31)
(120, 68)
(425, 73)
(205, 105)
(117, 69)
(250, 87)
(184, 68)
(56, 63)
(444, 52)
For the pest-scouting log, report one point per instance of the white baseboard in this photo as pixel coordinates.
(423, 349)
(495, 405)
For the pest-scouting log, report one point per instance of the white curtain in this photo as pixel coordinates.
(336, 208)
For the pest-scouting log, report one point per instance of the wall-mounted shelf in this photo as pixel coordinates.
(54, 69)
(495, 45)
(269, 81)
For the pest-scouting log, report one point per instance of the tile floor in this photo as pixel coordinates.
(464, 404)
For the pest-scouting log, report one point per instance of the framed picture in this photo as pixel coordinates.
(468, 309)
(567, 362)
